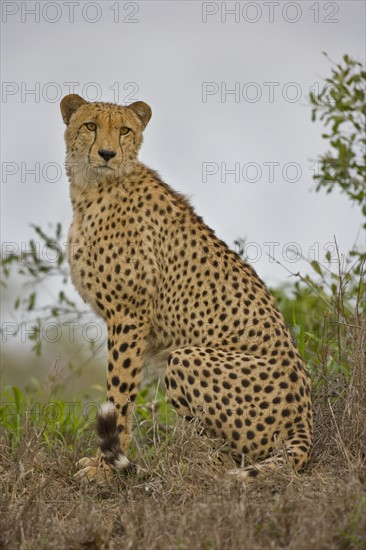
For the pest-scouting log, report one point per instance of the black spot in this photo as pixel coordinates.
(293, 377)
(182, 401)
(289, 398)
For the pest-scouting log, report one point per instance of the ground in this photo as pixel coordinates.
(184, 501)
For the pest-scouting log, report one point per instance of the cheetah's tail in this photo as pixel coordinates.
(108, 439)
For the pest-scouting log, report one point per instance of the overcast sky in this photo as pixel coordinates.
(184, 58)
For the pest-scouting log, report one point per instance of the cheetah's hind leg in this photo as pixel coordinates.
(289, 459)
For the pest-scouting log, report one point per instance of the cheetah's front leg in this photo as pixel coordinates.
(126, 346)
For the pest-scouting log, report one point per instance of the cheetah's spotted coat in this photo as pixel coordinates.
(161, 280)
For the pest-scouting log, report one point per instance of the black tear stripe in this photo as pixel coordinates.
(90, 148)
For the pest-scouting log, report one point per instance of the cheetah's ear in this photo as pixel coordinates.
(69, 104)
(142, 110)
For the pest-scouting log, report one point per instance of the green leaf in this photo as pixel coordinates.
(315, 265)
(31, 301)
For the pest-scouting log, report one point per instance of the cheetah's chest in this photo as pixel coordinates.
(110, 261)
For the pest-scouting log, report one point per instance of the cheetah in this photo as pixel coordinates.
(167, 286)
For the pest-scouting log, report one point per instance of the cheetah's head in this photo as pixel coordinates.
(102, 139)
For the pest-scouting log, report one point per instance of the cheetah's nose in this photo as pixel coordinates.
(107, 154)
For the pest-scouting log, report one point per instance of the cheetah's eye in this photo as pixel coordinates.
(91, 126)
(124, 130)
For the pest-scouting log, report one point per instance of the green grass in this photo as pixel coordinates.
(61, 422)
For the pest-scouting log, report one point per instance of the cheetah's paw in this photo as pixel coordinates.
(94, 470)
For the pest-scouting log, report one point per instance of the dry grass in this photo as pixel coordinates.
(186, 500)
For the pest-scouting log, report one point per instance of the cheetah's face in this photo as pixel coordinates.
(102, 139)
